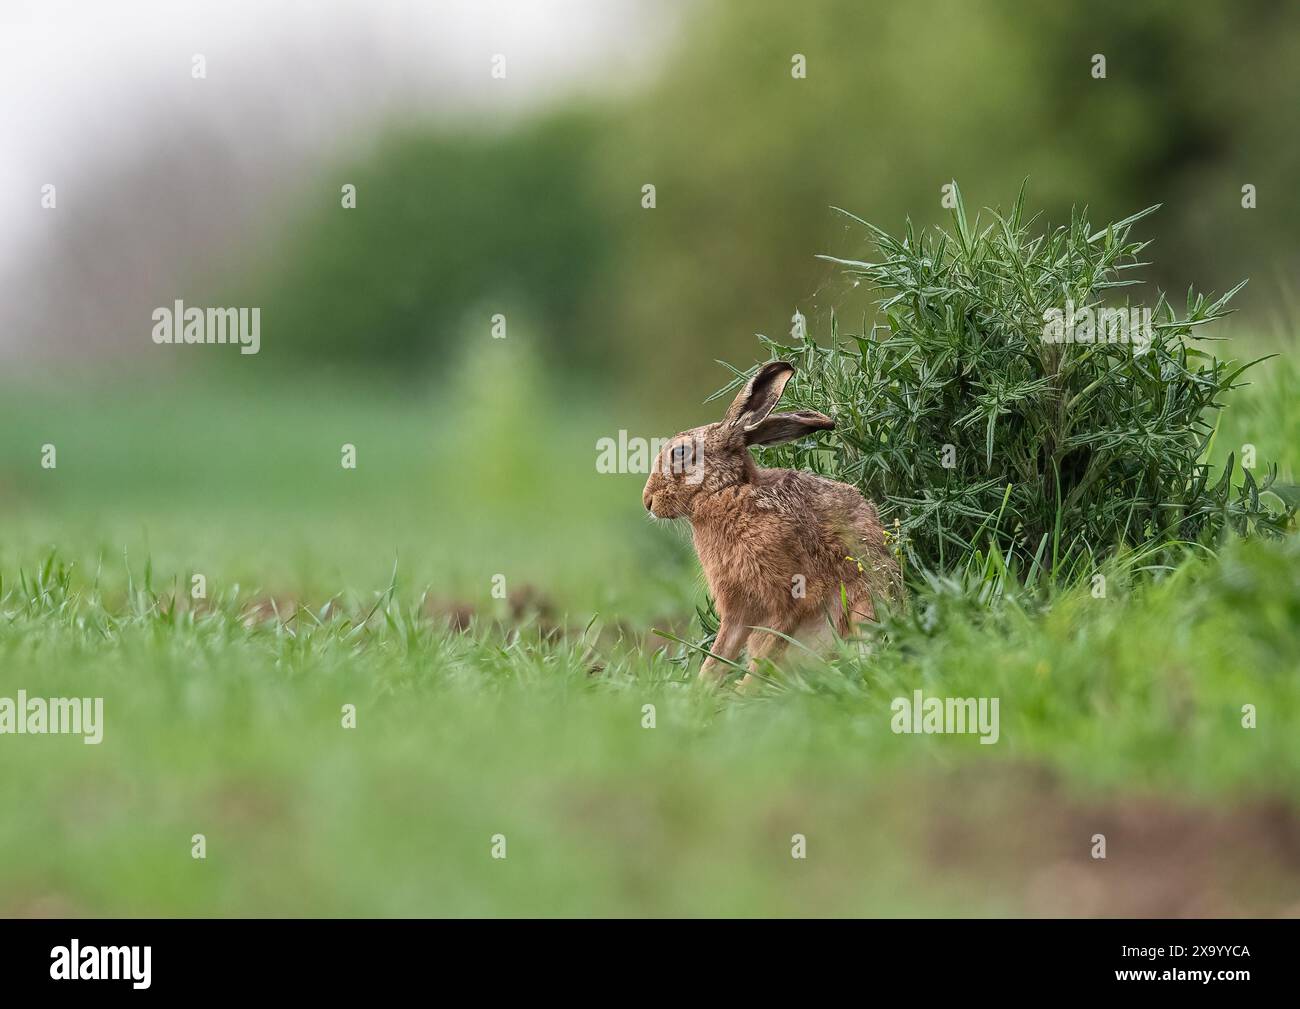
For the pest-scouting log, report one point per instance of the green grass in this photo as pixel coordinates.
(221, 723)
(1119, 715)
(244, 484)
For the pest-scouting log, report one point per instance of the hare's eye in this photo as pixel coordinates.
(682, 456)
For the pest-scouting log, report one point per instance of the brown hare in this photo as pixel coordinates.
(783, 550)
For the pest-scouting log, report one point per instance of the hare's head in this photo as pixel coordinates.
(707, 459)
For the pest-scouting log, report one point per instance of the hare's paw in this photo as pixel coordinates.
(712, 675)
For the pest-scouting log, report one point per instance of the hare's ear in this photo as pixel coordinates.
(780, 427)
(759, 397)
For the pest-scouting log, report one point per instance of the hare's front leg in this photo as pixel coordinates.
(763, 644)
(726, 645)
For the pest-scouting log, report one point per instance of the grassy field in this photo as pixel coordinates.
(526, 716)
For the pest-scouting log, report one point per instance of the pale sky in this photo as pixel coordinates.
(89, 88)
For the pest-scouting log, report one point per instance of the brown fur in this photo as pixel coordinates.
(756, 529)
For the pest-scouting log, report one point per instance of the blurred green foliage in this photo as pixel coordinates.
(448, 231)
(541, 220)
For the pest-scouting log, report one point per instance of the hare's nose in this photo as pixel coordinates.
(647, 498)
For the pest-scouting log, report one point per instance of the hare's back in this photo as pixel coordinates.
(801, 495)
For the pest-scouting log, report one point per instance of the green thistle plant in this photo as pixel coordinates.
(984, 444)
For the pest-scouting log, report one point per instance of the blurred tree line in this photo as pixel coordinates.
(542, 221)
